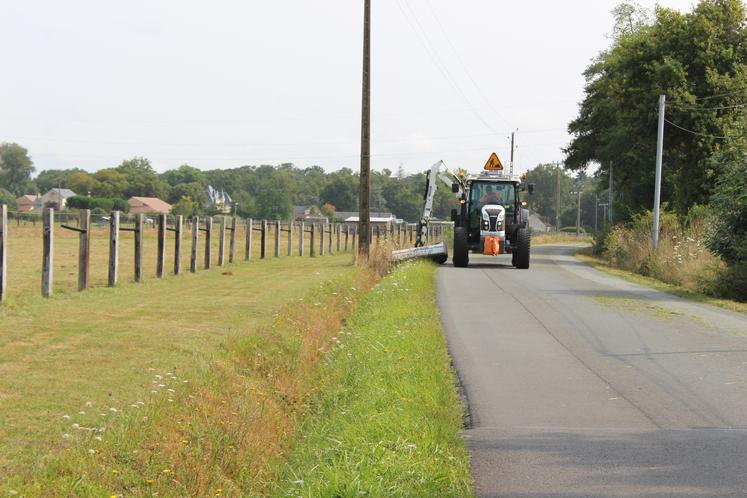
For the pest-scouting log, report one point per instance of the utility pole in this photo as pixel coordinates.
(609, 195)
(578, 213)
(604, 205)
(657, 184)
(596, 211)
(512, 152)
(557, 198)
(364, 195)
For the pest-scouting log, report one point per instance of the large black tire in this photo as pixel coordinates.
(513, 258)
(523, 245)
(461, 250)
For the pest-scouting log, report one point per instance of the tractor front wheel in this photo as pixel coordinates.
(461, 250)
(523, 244)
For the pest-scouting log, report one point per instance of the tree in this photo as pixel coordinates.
(341, 190)
(15, 168)
(110, 183)
(195, 191)
(142, 180)
(82, 183)
(185, 174)
(187, 207)
(699, 60)
(7, 198)
(55, 178)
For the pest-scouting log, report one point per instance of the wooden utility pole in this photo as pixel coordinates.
(364, 195)
(557, 198)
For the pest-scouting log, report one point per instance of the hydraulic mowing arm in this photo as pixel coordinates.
(438, 170)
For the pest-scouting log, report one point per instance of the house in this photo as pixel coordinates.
(308, 213)
(55, 198)
(148, 205)
(220, 199)
(25, 203)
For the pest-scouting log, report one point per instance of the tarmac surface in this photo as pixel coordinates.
(580, 384)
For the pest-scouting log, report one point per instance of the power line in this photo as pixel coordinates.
(701, 134)
(719, 108)
(461, 62)
(727, 94)
(433, 55)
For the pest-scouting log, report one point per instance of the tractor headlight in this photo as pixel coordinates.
(501, 216)
(485, 216)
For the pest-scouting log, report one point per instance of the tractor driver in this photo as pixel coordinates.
(491, 196)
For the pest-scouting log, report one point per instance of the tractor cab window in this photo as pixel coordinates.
(482, 193)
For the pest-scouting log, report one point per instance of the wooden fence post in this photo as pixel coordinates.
(355, 234)
(139, 247)
(347, 236)
(338, 230)
(178, 223)
(277, 238)
(222, 242)
(263, 240)
(208, 242)
(195, 240)
(232, 241)
(311, 243)
(113, 249)
(378, 235)
(3, 251)
(48, 249)
(290, 238)
(84, 250)
(161, 256)
(301, 237)
(249, 237)
(322, 231)
(329, 238)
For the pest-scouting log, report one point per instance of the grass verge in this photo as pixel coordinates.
(540, 238)
(187, 386)
(388, 417)
(585, 255)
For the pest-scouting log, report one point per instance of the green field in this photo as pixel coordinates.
(69, 359)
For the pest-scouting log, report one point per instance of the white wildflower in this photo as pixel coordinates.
(66, 417)
(113, 410)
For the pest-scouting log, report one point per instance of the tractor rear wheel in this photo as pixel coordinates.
(523, 244)
(461, 250)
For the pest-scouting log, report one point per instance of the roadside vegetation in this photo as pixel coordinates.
(388, 417)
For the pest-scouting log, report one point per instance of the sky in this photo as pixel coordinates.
(223, 84)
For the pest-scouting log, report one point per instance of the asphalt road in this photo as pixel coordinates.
(582, 384)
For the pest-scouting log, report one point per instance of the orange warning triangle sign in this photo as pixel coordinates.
(494, 164)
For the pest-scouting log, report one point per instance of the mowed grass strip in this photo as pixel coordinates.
(388, 417)
(92, 385)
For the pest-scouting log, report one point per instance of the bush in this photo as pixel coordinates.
(97, 203)
(681, 258)
(728, 237)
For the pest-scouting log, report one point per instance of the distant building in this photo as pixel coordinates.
(25, 203)
(311, 213)
(219, 199)
(375, 218)
(148, 205)
(55, 198)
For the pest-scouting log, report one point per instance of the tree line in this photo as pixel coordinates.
(263, 191)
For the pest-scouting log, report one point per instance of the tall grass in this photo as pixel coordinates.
(681, 257)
